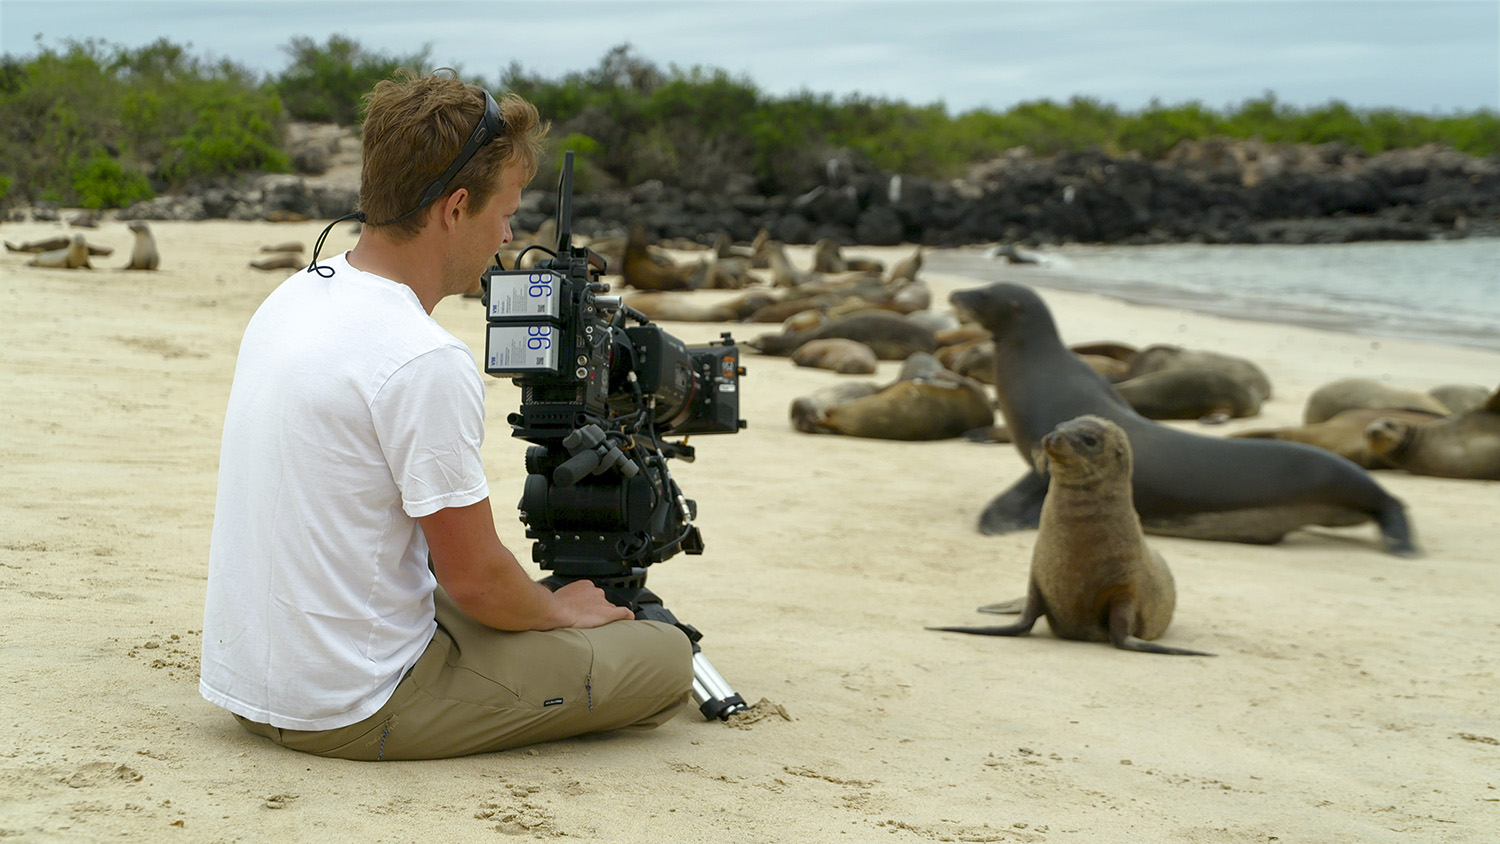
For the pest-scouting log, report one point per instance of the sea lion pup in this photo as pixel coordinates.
(143, 254)
(72, 257)
(1207, 395)
(1092, 574)
(54, 243)
(837, 354)
(1201, 487)
(1351, 393)
(1465, 445)
(1343, 433)
(827, 257)
(1164, 356)
(891, 335)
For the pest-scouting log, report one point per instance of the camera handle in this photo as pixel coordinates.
(711, 692)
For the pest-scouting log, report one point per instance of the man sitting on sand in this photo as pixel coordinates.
(360, 604)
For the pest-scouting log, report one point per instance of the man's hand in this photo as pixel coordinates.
(483, 578)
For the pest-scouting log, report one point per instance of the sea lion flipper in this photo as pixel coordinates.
(1122, 617)
(1018, 508)
(1034, 606)
(1395, 531)
(1014, 606)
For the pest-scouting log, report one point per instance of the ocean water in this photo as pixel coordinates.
(1445, 291)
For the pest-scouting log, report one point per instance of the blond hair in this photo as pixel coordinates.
(414, 127)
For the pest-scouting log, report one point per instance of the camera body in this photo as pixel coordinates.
(598, 397)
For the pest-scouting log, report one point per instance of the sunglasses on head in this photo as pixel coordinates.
(490, 126)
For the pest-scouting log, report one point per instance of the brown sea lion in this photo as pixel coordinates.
(1343, 433)
(283, 261)
(143, 253)
(1164, 356)
(808, 412)
(285, 246)
(783, 272)
(1093, 576)
(837, 354)
(916, 409)
(641, 270)
(54, 243)
(1464, 445)
(891, 335)
(1460, 397)
(72, 257)
(1208, 395)
(1184, 484)
(1351, 393)
(906, 269)
(688, 306)
(827, 258)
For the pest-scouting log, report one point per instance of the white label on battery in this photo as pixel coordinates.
(521, 348)
(524, 294)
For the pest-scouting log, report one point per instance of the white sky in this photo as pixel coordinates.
(1431, 56)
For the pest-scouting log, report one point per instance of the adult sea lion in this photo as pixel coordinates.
(1092, 574)
(54, 243)
(1464, 445)
(891, 335)
(71, 257)
(836, 354)
(925, 402)
(1162, 357)
(1343, 433)
(1208, 395)
(1239, 490)
(1460, 397)
(143, 254)
(281, 261)
(1351, 393)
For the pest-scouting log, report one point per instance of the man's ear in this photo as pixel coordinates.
(453, 205)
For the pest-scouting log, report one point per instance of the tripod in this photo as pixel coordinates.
(711, 692)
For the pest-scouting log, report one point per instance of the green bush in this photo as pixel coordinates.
(103, 183)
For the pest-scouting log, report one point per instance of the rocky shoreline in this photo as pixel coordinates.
(1214, 191)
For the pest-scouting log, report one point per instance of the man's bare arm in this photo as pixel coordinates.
(484, 579)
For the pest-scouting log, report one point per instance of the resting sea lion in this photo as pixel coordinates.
(143, 254)
(926, 402)
(891, 335)
(1239, 490)
(284, 261)
(1464, 445)
(1343, 433)
(72, 257)
(1092, 574)
(1163, 357)
(640, 269)
(54, 243)
(686, 306)
(1208, 395)
(1460, 397)
(1351, 393)
(906, 269)
(808, 412)
(837, 354)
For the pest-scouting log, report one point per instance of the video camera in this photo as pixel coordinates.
(598, 397)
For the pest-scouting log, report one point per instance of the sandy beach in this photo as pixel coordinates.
(1353, 697)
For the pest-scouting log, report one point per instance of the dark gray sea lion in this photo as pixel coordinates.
(1465, 445)
(1343, 433)
(891, 335)
(143, 253)
(837, 354)
(1093, 576)
(74, 256)
(1208, 395)
(1240, 490)
(1352, 393)
(1162, 357)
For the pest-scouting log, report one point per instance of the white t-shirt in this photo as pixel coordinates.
(352, 414)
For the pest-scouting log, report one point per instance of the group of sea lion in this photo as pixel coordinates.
(1451, 431)
(65, 252)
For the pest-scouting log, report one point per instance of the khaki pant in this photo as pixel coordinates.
(476, 689)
